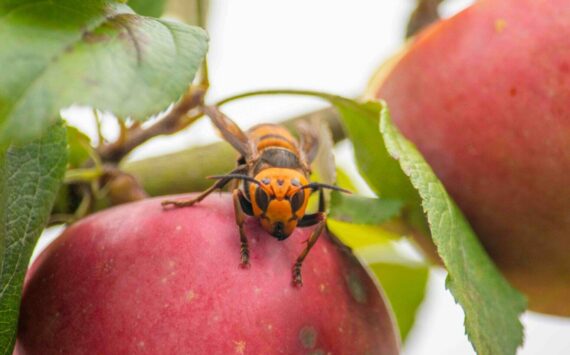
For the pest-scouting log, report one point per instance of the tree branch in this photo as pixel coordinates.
(172, 122)
(424, 15)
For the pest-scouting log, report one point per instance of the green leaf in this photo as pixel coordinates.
(380, 171)
(405, 286)
(344, 181)
(363, 210)
(89, 52)
(30, 176)
(358, 236)
(361, 123)
(492, 307)
(153, 8)
(79, 147)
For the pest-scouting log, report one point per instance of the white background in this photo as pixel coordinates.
(332, 46)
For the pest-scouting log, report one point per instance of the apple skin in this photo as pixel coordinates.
(485, 95)
(140, 279)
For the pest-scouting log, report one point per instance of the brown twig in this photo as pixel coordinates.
(173, 121)
(424, 15)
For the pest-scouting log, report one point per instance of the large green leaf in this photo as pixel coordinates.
(30, 176)
(90, 52)
(377, 167)
(492, 307)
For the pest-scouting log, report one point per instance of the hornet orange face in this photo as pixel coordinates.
(280, 200)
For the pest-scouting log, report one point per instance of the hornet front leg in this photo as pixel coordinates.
(217, 185)
(242, 207)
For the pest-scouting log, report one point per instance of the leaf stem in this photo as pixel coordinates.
(311, 93)
(82, 175)
(100, 137)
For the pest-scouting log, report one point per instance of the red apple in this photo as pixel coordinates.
(140, 279)
(485, 95)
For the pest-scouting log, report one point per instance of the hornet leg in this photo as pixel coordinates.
(190, 201)
(241, 207)
(319, 219)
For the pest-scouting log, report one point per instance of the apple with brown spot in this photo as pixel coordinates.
(140, 279)
(485, 95)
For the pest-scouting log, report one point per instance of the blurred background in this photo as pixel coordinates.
(331, 46)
